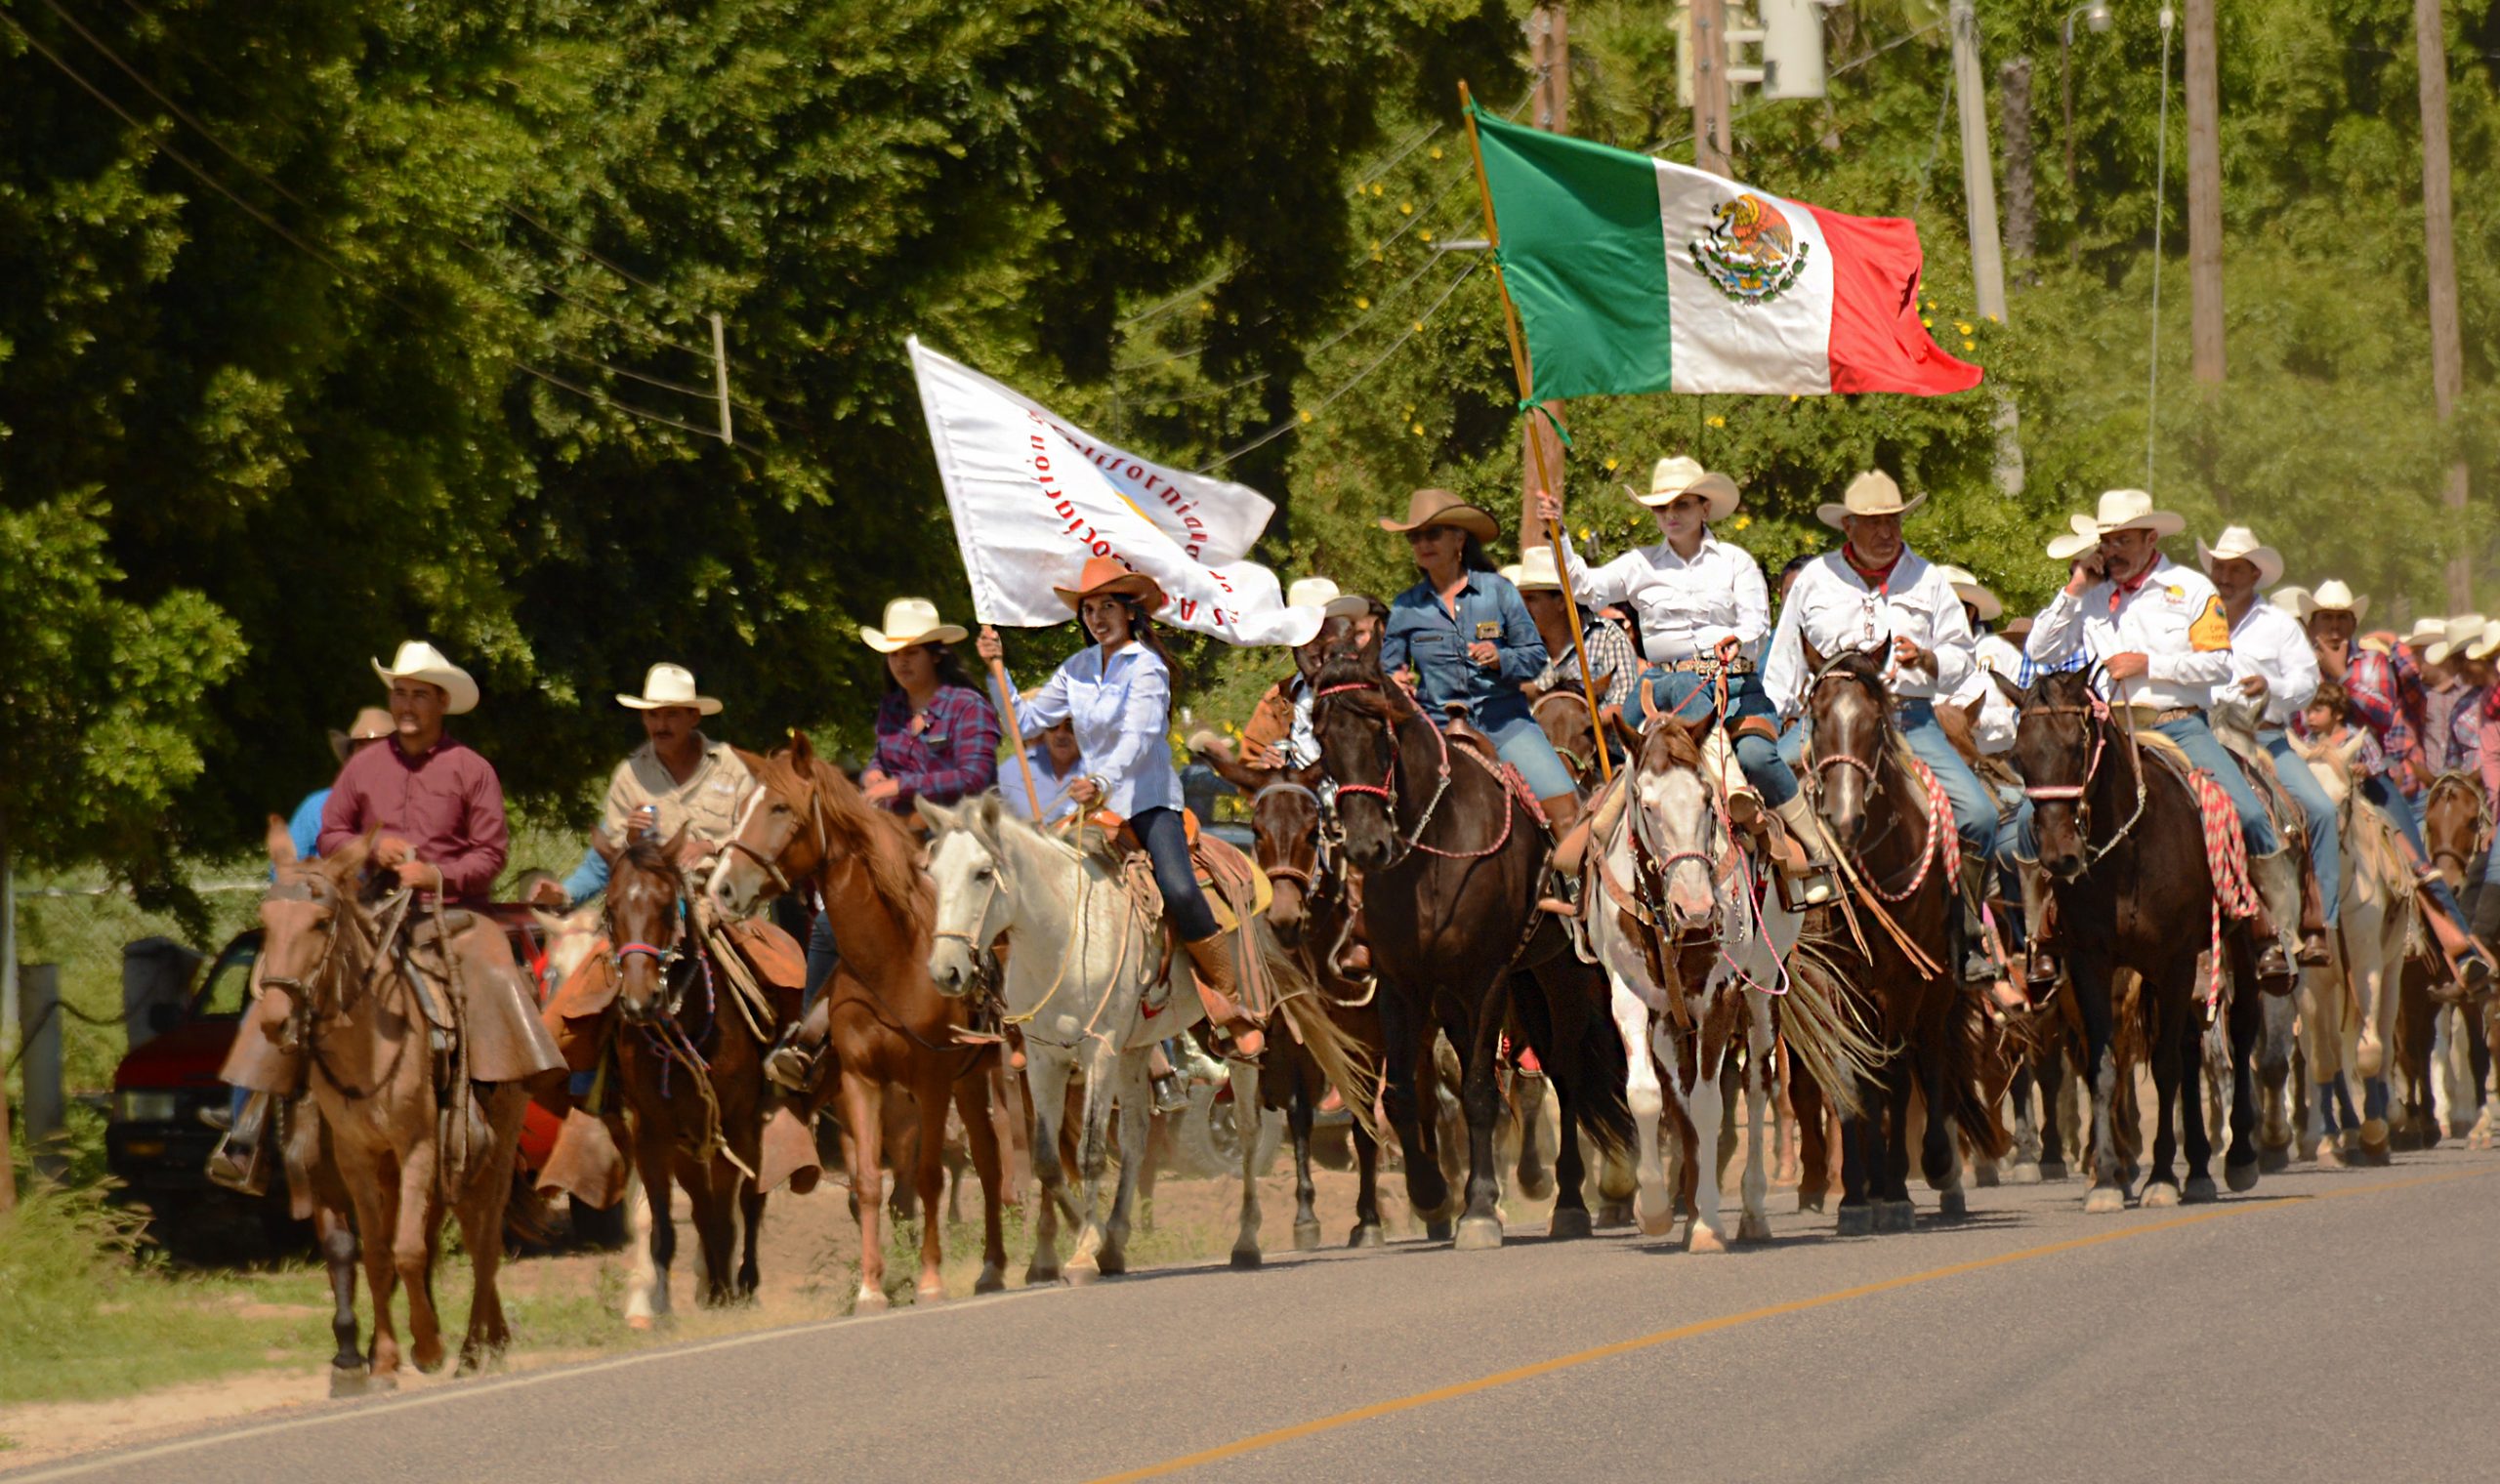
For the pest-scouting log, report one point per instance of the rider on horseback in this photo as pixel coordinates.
(2159, 633)
(1277, 737)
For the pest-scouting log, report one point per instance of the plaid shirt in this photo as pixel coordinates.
(2440, 711)
(1609, 655)
(954, 751)
(2376, 684)
(2465, 730)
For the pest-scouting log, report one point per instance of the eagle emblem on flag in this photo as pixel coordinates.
(1749, 251)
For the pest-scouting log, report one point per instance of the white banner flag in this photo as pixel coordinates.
(1033, 496)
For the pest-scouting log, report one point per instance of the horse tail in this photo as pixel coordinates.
(1969, 1049)
(1601, 1102)
(1825, 1027)
(1343, 1061)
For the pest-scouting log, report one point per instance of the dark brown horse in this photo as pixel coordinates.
(1898, 933)
(689, 1052)
(887, 1025)
(1451, 856)
(2121, 845)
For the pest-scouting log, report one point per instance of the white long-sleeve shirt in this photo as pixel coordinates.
(2269, 642)
(1684, 607)
(1992, 654)
(2174, 618)
(1834, 609)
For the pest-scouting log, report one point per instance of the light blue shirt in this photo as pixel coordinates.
(1053, 787)
(1121, 712)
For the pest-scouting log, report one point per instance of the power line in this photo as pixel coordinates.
(578, 247)
(604, 401)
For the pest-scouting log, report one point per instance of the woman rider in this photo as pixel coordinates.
(1465, 636)
(1118, 691)
(937, 739)
(1704, 612)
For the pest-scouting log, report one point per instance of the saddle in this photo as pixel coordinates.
(1237, 891)
(2283, 811)
(575, 1015)
(474, 993)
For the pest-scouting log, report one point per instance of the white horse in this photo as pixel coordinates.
(1086, 981)
(2348, 1020)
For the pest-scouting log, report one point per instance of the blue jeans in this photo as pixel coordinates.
(1166, 839)
(1687, 696)
(2206, 752)
(2399, 808)
(821, 957)
(2326, 848)
(1975, 817)
(1521, 744)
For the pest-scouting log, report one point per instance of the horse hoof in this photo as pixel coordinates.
(2159, 1195)
(348, 1381)
(1752, 1227)
(1952, 1205)
(2025, 1173)
(1366, 1234)
(2329, 1157)
(1245, 1258)
(871, 1302)
(382, 1380)
(1700, 1241)
(1040, 1277)
(1813, 1203)
(1894, 1216)
(2268, 1162)
(1306, 1236)
(2105, 1200)
(2374, 1154)
(992, 1280)
(2053, 1171)
(1478, 1233)
(1569, 1225)
(926, 1293)
(1657, 1224)
(1984, 1177)
(1614, 1216)
(2200, 1191)
(1855, 1222)
(2243, 1178)
(1536, 1187)
(1081, 1274)
(1438, 1231)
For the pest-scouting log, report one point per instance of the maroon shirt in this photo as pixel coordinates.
(448, 806)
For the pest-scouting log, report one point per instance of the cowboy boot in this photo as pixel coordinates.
(241, 1160)
(2040, 956)
(1797, 819)
(1212, 957)
(2468, 960)
(792, 1061)
(2313, 952)
(2272, 968)
(1564, 817)
(1169, 1095)
(1571, 846)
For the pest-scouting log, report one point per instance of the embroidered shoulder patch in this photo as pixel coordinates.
(2212, 627)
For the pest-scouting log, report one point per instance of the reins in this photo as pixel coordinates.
(1387, 790)
(2103, 724)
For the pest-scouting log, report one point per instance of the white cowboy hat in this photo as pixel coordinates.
(2238, 544)
(2335, 596)
(2425, 633)
(2483, 646)
(418, 660)
(2456, 636)
(1535, 571)
(1321, 594)
(1873, 493)
(2119, 510)
(2292, 599)
(909, 621)
(667, 685)
(1968, 588)
(1680, 475)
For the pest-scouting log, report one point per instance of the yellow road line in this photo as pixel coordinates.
(1259, 1442)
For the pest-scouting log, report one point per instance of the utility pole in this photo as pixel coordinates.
(1710, 138)
(1548, 30)
(2204, 198)
(1978, 170)
(2439, 222)
(2021, 199)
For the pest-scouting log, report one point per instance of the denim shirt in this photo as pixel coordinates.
(1423, 637)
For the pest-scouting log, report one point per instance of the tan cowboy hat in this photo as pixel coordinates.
(2335, 596)
(2456, 636)
(2239, 544)
(665, 685)
(1968, 588)
(2425, 633)
(1873, 493)
(1677, 476)
(1535, 571)
(909, 621)
(1323, 594)
(418, 660)
(1440, 507)
(2120, 510)
(2292, 599)
(371, 725)
(1111, 575)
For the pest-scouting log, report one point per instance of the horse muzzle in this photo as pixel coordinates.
(951, 968)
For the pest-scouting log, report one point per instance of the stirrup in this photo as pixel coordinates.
(790, 1065)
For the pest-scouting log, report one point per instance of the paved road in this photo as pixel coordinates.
(2331, 1325)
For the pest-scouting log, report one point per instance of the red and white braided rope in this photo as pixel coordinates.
(2227, 861)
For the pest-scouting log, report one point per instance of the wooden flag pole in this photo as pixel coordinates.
(1535, 444)
(1015, 731)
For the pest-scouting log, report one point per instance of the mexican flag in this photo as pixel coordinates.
(1636, 274)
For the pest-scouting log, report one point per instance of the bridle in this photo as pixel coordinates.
(1387, 789)
(2472, 788)
(2101, 724)
(770, 865)
(665, 957)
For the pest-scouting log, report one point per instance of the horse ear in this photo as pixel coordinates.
(938, 815)
(983, 816)
(281, 843)
(2008, 688)
(349, 858)
(2351, 747)
(1971, 712)
(802, 756)
(608, 846)
(1813, 656)
(676, 841)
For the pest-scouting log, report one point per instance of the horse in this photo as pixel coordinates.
(1563, 714)
(1890, 829)
(1090, 981)
(2456, 826)
(690, 1053)
(400, 1153)
(2122, 851)
(1692, 949)
(1451, 853)
(2349, 1020)
(887, 1025)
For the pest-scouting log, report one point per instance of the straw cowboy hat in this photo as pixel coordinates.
(1967, 587)
(909, 621)
(2120, 510)
(371, 725)
(2456, 636)
(2239, 544)
(1872, 493)
(666, 686)
(1440, 507)
(2335, 596)
(1321, 594)
(1111, 575)
(2425, 633)
(2292, 599)
(1535, 571)
(418, 660)
(1679, 476)
(2480, 647)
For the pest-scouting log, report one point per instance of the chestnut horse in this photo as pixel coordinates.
(1451, 855)
(887, 1025)
(689, 1052)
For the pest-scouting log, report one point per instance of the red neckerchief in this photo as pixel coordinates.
(1878, 578)
(2120, 591)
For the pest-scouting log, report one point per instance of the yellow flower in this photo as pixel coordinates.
(1362, 303)
(1792, 396)
(1962, 325)
(1610, 465)
(1925, 320)
(1436, 152)
(1992, 319)
(1206, 307)
(1419, 430)
(1741, 522)
(1426, 237)
(1970, 344)
(1405, 208)
(1306, 415)
(1718, 422)
(1584, 533)
(1377, 188)
(1375, 244)
(1419, 325)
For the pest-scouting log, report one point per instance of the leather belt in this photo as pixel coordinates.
(2145, 713)
(1704, 664)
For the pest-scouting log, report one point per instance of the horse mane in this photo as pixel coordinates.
(1374, 695)
(877, 839)
(1669, 745)
(1865, 668)
(644, 853)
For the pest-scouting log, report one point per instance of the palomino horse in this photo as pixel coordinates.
(401, 1154)
(2122, 847)
(689, 1052)
(1451, 855)
(1892, 831)
(2347, 1021)
(887, 1026)
(1090, 982)
(1694, 949)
